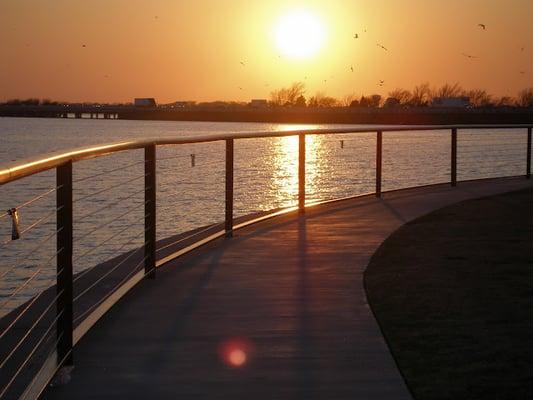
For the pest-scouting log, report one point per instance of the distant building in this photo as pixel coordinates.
(391, 102)
(258, 103)
(452, 102)
(144, 102)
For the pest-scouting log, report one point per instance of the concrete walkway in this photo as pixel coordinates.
(288, 292)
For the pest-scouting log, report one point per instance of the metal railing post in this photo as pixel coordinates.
(379, 161)
(64, 263)
(528, 163)
(149, 210)
(301, 172)
(228, 225)
(454, 158)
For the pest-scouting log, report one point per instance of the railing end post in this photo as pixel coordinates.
(149, 210)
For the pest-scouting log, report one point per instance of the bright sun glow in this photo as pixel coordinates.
(299, 34)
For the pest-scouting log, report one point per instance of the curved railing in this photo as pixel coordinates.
(53, 308)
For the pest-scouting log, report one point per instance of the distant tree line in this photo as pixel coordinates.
(47, 102)
(421, 95)
(33, 102)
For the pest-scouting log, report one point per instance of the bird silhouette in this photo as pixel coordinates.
(356, 36)
(482, 26)
(83, 45)
(242, 63)
(383, 47)
(351, 68)
(468, 55)
(381, 83)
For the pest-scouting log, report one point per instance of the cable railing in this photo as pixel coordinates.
(118, 210)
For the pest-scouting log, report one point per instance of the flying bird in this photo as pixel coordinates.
(383, 47)
(522, 72)
(351, 68)
(468, 55)
(521, 48)
(381, 82)
(242, 63)
(482, 26)
(83, 45)
(356, 36)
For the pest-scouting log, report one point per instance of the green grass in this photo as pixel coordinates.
(453, 293)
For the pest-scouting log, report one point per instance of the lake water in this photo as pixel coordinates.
(109, 198)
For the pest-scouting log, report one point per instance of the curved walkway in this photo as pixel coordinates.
(290, 288)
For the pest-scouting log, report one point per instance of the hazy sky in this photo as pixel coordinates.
(193, 49)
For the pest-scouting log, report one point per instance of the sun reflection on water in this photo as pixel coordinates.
(285, 162)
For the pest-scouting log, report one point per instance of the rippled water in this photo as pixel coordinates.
(109, 198)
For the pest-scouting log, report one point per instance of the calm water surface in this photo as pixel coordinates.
(108, 191)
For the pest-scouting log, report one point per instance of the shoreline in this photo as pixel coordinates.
(344, 115)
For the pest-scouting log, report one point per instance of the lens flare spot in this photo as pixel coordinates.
(237, 357)
(235, 353)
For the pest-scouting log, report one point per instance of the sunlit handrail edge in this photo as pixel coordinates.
(13, 171)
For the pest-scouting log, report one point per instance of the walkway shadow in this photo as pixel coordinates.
(305, 368)
(187, 306)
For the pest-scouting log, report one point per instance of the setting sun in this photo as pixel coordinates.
(299, 34)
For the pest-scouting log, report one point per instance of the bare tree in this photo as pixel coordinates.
(525, 97)
(479, 98)
(402, 95)
(505, 101)
(375, 100)
(347, 100)
(364, 101)
(449, 90)
(300, 101)
(321, 100)
(421, 95)
(288, 96)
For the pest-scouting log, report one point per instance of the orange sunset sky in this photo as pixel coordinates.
(114, 50)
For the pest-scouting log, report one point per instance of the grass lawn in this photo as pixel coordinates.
(453, 293)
